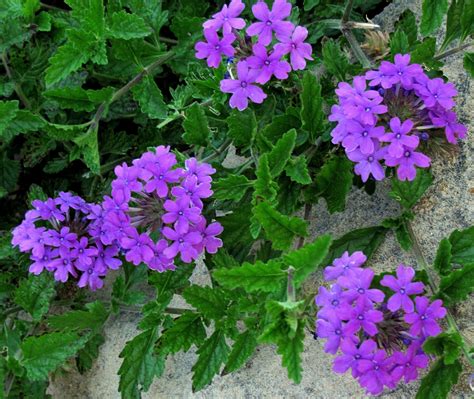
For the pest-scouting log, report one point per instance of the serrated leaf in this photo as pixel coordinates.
(127, 26)
(281, 152)
(439, 381)
(297, 170)
(403, 236)
(211, 302)
(23, 122)
(171, 280)
(312, 114)
(468, 63)
(8, 111)
(408, 193)
(243, 347)
(187, 329)
(407, 24)
(442, 263)
(242, 126)
(334, 181)
(308, 258)
(150, 98)
(232, 187)
(79, 99)
(196, 126)
(456, 286)
(399, 43)
(467, 19)
(44, 354)
(265, 187)
(87, 355)
(424, 52)
(462, 246)
(89, 147)
(280, 124)
(212, 354)
(35, 294)
(446, 344)
(266, 277)
(93, 318)
(139, 364)
(432, 15)
(9, 172)
(279, 228)
(67, 59)
(453, 27)
(291, 349)
(335, 60)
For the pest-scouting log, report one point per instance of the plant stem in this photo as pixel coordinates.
(17, 87)
(339, 24)
(356, 49)
(422, 261)
(290, 287)
(167, 40)
(307, 214)
(347, 11)
(218, 151)
(12, 310)
(453, 51)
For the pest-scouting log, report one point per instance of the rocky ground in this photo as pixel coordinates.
(448, 205)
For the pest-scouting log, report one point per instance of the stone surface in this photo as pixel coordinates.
(448, 205)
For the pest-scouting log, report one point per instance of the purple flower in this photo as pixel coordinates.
(329, 301)
(406, 364)
(183, 244)
(227, 18)
(358, 287)
(361, 316)
(344, 265)
(160, 174)
(401, 71)
(64, 265)
(62, 238)
(127, 179)
(365, 109)
(139, 247)
(271, 21)
(209, 242)
(159, 261)
(243, 88)
(268, 64)
(453, 129)
(295, 46)
(202, 171)
(399, 138)
(406, 163)
(215, 47)
(193, 190)
(403, 288)
(333, 330)
(368, 164)
(43, 262)
(352, 355)
(83, 253)
(66, 201)
(375, 373)
(106, 257)
(436, 92)
(424, 319)
(47, 209)
(362, 137)
(181, 213)
(346, 92)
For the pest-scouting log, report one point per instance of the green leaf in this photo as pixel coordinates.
(8, 111)
(35, 294)
(462, 246)
(127, 26)
(335, 60)
(212, 354)
(266, 277)
(407, 24)
(439, 381)
(367, 240)
(442, 263)
(279, 228)
(467, 19)
(280, 124)
(310, 4)
(453, 27)
(457, 286)
(67, 59)
(79, 99)
(23, 122)
(279, 155)
(409, 192)
(196, 126)
(244, 346)
(446, 344)
(334, 181)
(44, 354)
(312, 106)
(399, 43)
(468, 63)
(139, 364)
(291, 349)
(424, 52)
(265, 187)
(403, 236)
(432, 15)
(87, 355)
(187, 329)
(171, 280)
(232, 187)
(9, 172)
(211, 302)
(242, 126)
(297, 170)
(89, 147)
(150, 98)
(93, 318)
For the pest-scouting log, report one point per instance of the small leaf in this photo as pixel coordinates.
(297, 170)
(212, 354)
(242, 126)
(281, 152)
(89, 147)
(407, 24)
(291, 349)
(266, 277)
(432, 15)
(187, 329)
(244, 346)
(439, 381)
(196, 126)
(93, 318)
(462, 246)
(467, 19)
(399, 43)
(408, 193)
(87, 355)
(446, 344)
(8, 111)
(265, 187)
(453, 27)
(67, 59)
(442, 263)
(9, 172)
(468, 63)
(312, 114)
(209, 301)
(150, 98)
(79, 99)
(335, 60)
(279, 228)
(35, 294)
(127, 26)
(232, 187)
(456, 286)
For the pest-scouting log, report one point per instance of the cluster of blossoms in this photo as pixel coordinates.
(380, 341)
(155, 211)
(63, 236)
(256, 62)
(389, 113)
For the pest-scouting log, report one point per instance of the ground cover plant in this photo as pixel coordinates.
(139, 136)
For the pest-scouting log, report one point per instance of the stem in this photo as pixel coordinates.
(452, 51)
(422, 261)
(338, 24)
(356, 49)
(167, 40)
(347, 11)
(10, 311)
(307, 214)
(290, 287)
(49, 7)
(218, 151)
(17, 87)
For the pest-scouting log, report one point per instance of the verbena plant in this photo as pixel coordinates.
(112, 102)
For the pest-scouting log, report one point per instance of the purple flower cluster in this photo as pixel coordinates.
(155, 211)
(63, 237)
(388, 114)
(255, 63)
(381, 342)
